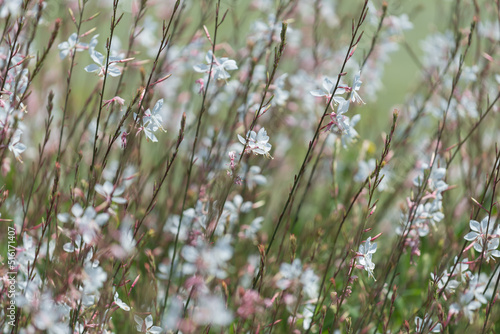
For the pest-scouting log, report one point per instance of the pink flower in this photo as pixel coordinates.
(251, 303)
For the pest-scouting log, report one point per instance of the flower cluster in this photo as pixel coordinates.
(339, 123)
(426, 213)
(293, 277)
(485, 238)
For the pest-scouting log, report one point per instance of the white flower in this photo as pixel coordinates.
(479, 230)
(173, 313)
(146, 325)
(78, 243)
(127, 241)
(292, 274)
(489, 29)
(328, 87)
(94, 279)
(350, 134)
(466, 305)
(339, 123)
(10, 7)
(441, 281)
(254, 177)
(310, 283)
(365, 169)
(478, 289)
(100, 68)
(257, 142)
(280, 94)
(482, 232)
(356, 85)
(254, 227)
(207, 260)
(15, 145)
(288, 273)
(232, 209)
(49, 317)
(261, 31)
(327, 90)
(192, 219)
(120, 303)
(307, 313)
(27, 253)
(152, 121)
(397, 24)
(149, 130)
(462, 269)
(108, 191)
(436, 178)
(437, 49)
(219, 67)
(154, 116)
(365, 253)
(212, 310)
(72, 45)
(87, 221)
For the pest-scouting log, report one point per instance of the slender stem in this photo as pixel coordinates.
(114, 23)
(191, 161)
(68, 80)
